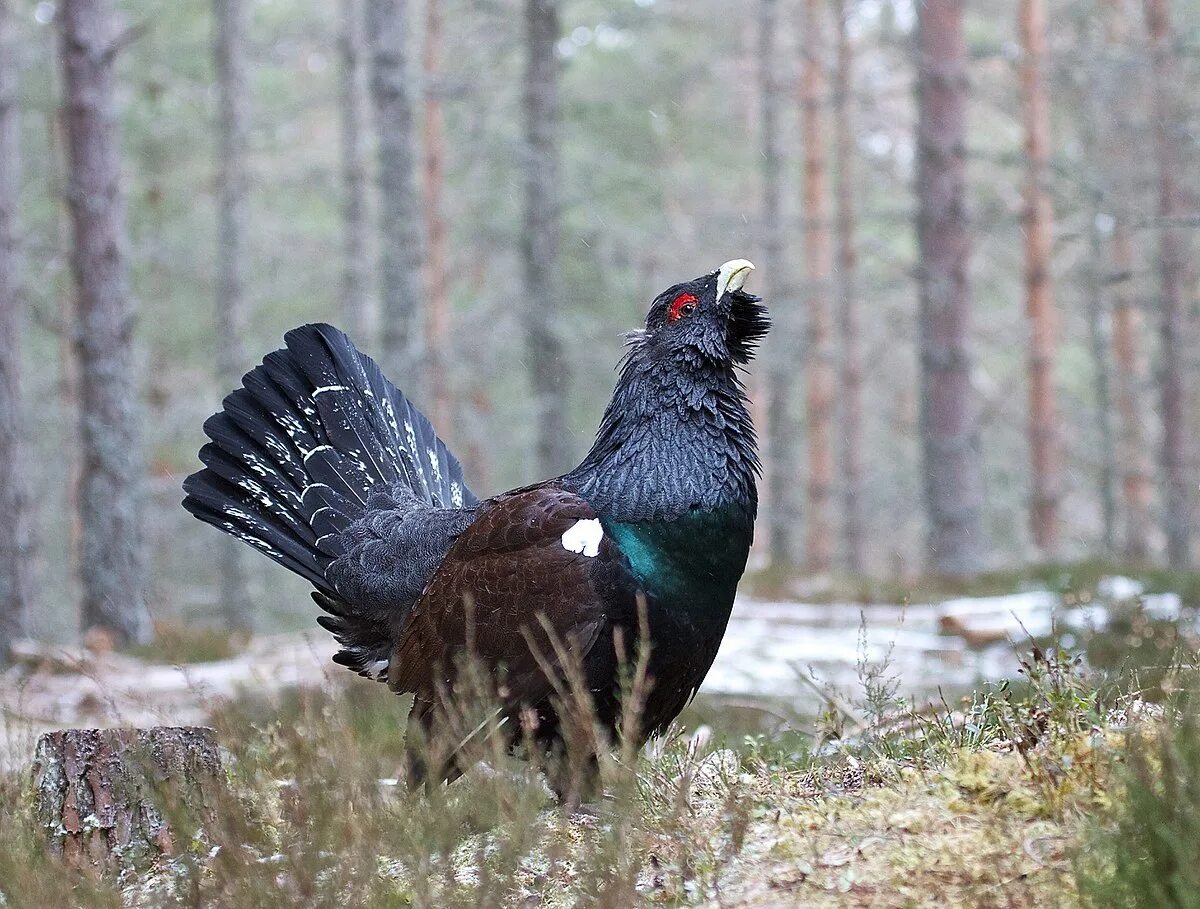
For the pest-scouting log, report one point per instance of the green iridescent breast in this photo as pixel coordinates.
(693, 562)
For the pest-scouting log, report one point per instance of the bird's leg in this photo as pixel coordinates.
(425, 761)
(574, 778)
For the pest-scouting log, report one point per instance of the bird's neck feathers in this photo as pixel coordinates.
(676, 439)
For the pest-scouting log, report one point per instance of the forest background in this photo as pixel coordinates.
(975, 225)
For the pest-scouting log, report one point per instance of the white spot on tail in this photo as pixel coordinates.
(312, 451)
(584, 537)
(317, 391)
(378, 668)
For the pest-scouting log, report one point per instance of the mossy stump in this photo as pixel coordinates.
(110, 799)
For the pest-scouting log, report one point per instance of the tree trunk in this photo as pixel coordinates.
(399, 201)
(434, 173)
(362, 319)
(113, 799)
(1172, 265)
(1044, 442)
(1127, 459)
(110, 495)
(540, 242)
(15, 574)
(854, 527)
(818, 258)
(1132, 375)
(229, 45)
(952, 472)
(1131, 366)
(1099, 334)
(780, 426)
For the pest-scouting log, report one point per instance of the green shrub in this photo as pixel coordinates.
(1146, 851)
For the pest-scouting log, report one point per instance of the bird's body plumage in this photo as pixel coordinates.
(324, 466)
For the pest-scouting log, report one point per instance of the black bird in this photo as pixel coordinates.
(323, 465)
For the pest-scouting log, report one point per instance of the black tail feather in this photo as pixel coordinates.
(298, 450)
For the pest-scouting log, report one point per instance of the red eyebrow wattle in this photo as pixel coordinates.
(677, 305)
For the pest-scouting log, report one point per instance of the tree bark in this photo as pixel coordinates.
(110, 495)
(780, 426)
(434, 173)
(849, 329)
(1132, 375)
(952, 472)
(818, 258)
(16, 582)
(1044, 442)
(1099, 334)
(114, 799)
(541, 239)
(229, 46)
(362, 319)
(1172, 265)
(399, 201)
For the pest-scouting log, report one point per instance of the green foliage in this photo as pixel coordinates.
(177, 643)
(1145, 851)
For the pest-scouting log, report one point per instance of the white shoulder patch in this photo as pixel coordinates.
(584, 537)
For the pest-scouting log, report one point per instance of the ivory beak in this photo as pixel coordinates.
(732, 275)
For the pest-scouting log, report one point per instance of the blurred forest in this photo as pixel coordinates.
(975, 225)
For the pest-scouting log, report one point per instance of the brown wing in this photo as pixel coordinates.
(506, 569)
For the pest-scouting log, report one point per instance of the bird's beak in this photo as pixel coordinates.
(732, 275)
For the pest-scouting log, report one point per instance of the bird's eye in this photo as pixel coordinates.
(683, 305)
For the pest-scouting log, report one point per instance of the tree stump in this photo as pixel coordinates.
(109, 799)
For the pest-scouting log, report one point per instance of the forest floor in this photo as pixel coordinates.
(1001, 793)
(1004, 801)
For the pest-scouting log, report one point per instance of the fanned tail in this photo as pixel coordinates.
(297, 452)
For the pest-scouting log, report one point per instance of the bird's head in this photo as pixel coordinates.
(711, 317)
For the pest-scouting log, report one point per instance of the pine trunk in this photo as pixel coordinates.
(1172, 266)
(1100, 336)
(399, 200)
(362, 320)
(115, 799)
(1132, 376)
(434, 174)
(541, 239)
(15, 574)
(780, 426)
(952, 470)
(851, 447)
(1044, 442)
(821, 371)
(1115, 150)
(229, 19)
(110, 495)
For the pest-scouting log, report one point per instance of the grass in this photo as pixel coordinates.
(1144, 850)
(1063, 788)
(992, 801)
(180, 643)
